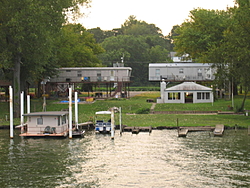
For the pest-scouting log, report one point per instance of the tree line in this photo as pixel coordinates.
(36, 38)
(223, 39)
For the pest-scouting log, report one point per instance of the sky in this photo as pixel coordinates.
(110, 14)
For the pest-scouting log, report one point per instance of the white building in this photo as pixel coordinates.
(186, 92)
(181, 72)
(51, 123)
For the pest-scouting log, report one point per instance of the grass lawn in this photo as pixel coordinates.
(131, 106)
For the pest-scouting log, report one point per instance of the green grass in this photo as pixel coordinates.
(131, 106)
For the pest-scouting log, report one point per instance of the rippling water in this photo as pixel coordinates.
(155, 160)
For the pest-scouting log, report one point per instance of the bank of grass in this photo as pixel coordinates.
(131, 106)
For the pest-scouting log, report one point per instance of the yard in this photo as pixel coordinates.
(138, 104)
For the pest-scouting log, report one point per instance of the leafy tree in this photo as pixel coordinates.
(132, 26)
(100, 35)
(237, 47)
(77, 47)
(171, 37)
(139, 43)
(28, 29)
(202, 31)
(221, 38)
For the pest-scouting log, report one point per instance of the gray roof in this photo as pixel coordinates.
(162, 65)
(189, 86)
(94, 68)
(49, 113)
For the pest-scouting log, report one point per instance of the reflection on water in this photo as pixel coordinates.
(158, 160)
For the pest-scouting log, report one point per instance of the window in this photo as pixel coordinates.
(40, 121)
(203, 95)
(63, 120)
(68, 70)
(174, 96)
(58, 119)
(198, 95)
(181, 71)
(99, 76)
(207, 95)
(199, 72)
(157, 72)
(79, 73)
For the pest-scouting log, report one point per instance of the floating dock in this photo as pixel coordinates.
(182, 132)
(136, 130)
(219, 130)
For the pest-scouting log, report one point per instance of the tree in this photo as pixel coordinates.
(101, 35)
(237, 47)
(132, 26)
(221, 38)
(28, 29)
(202, 31)
(77, 47)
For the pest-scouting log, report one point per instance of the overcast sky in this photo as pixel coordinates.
(110, 14)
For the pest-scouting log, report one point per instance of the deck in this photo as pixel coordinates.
(219, 130)
(63, 134)
(182, 132)
(136, 130)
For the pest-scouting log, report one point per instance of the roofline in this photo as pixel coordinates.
(93, 68)
(188, 90)
(162, 65)
(48, 113)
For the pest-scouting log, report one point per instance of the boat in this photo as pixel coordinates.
(219, 130)
(103, 121)
(182, 132)
(78, 133)
(46, 124)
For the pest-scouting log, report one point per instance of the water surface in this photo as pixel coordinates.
(155, 160)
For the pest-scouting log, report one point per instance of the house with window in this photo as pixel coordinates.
(186, 92)
(51, 123)
(181, 72)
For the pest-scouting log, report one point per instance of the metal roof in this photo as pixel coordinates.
(189, 86)
(162, 65)
(103, 112)
(95, 68)
(49, 113)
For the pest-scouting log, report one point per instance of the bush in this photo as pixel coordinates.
(143, 111)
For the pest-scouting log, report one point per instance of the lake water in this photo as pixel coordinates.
(155, 160)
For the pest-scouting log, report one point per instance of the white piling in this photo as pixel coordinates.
(112, 124)
(70, 112)
(22, 111)
(28, 104)
(120, 110)
(11, 111)
(76, 110)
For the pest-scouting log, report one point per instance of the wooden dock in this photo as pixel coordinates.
(219, 130)
(136, 130)
(182, 132)
(196, 129)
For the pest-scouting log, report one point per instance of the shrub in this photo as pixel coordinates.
(143, 111)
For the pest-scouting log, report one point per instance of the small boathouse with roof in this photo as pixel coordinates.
(186, 92)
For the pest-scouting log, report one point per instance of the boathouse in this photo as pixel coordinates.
(51, 123)
(186, 92)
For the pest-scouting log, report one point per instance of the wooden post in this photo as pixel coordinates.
(76, 110)
(28, 104)
(120, 110)
(70, 112)
(22, 111)
(112, 124)
(11, 111)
